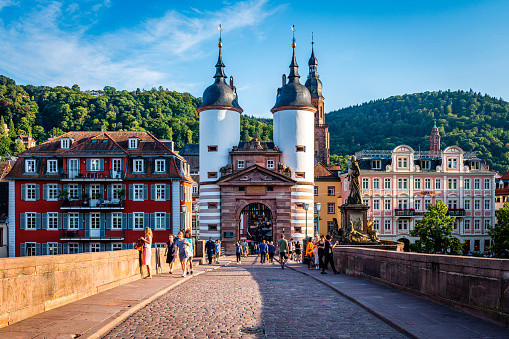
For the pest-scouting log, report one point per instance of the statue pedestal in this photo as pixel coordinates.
(357, 214)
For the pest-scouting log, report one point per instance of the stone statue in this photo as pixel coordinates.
(336, 232)
(354, 236)
(354, 198)
(373, 234)
(283, 169)
(225, 170)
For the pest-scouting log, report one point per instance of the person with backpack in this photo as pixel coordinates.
(328, 255)
(282, 246)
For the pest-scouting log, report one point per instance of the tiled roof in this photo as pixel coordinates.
(505, 176)
(5, 168)
(322, 173)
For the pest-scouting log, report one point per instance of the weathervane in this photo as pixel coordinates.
(293, 40)
(220, 29)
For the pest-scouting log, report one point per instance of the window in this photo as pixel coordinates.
(95, 247)
(138, 165)
(402, 225)
(114, 191)
(30, 249)
(438, 184)
(138, 193)
(30, 166)
(300, 148)
(402, 183)
(477, 204)
(116, 221)
(270, 163)
(476, 165)
(453, 184)
(65, 143)
(212, 148)
(417, 184)
(95, 221)
(467, 205)
(212, 227)
(95, 191)
(133, 143)
(377, 164)
(194, 189)
(477, 224)
(30, 192)
(52, 166)
(52, 221)
(73, 191)
(376, 225)
(387, 225)
(116, 165)
(73, 221)
(212, 175)
(376, 184)
(467, 184)
(402, 204)
(387, 204)
(270, 188)
(487, 184)
(487, 205)
(467, 225)
(160, 221)
(160, 191)
(160, 165)
(402, 162)
(427, 202)
(242, 188)
(452, 163)
(477, 184)
(316, 190)
(365, 183)
(387, 183)
(331, 207)
(331, 191)
(365, 202)
(486, 225)
(52, 192)
(417, 205)
(455, 225)
(74, 248)
(240, 164)
(138, 221)
(30, 223)
(52, 248)
(211, 205)
(95, 165)
(116, 246)
(452, 204)
(300, 175)
(427, 184)
(376, 204)
(425, 164)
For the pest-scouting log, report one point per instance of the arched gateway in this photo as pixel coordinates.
(255, 223)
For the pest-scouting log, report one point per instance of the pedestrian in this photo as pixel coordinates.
(171, 252)
(190, 251)
(210, 248)
(244, 247)
(297, 251)
(282, 246)
(217, 250)
(321, 248)
(315, 248)
(290, 249)
(328, 255)
(263, 251)
(147, 251)
(271, 250)
(310, 252)
(238, 252)
(180, 242)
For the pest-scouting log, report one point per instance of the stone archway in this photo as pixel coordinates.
(256, 223)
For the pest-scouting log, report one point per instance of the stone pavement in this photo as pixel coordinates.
(94, 316)
(412, 315)
(283, 303)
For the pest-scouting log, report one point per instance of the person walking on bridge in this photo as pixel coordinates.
(327, 254)
(282, 246)
(210, 248)
(263, 251)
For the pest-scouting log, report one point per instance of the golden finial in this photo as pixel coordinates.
(293, 41)
(220, 29)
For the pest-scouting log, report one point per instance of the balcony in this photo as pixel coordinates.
(456, 212)
(87, 235)
(404, 212)
(107, 175)
(92, 204)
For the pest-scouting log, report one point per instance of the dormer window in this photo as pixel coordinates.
(160, 165)
(30, 166)
(133, 143)
(65, 143)
(138, 165)
(476, 165)
(452, 163)
(425, 164)
(52, 166)
(402, 162)
(376, 164)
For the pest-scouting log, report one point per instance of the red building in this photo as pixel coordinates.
(96, 191)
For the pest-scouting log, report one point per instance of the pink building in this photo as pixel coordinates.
(398, 186)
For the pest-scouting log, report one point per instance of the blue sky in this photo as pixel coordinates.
(366, 50)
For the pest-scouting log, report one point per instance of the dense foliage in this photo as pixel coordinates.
(500, 233)
(469, 120)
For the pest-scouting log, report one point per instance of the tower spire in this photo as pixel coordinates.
(220, 65)
(294, 73)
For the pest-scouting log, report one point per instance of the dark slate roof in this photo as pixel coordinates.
(314, 85)
(190, 149)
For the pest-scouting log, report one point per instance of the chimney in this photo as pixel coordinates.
(284, 79)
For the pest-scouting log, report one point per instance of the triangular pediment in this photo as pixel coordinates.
(255, 175)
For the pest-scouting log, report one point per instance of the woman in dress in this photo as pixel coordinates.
(171, 252)
(315, 248)
(147, 252)
(297, 251)
(181, 243)
(190, 251)
(217, 251)
(310, 252)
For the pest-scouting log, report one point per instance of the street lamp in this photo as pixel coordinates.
(318, 207)
(306, 207)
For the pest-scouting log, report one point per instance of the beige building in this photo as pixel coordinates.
(328, 194)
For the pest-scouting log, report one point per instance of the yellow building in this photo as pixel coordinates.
(328, 194)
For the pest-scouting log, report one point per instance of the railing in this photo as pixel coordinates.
(456, 212)
(384, 154)
(93, 175)
(404, 212)
(83, 234)
(92, 204)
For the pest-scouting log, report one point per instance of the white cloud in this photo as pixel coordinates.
(37, 49)
(5, 3)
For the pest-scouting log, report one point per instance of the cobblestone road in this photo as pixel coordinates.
(285, 303)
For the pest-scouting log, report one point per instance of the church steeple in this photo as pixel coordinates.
(220, 65)
(434, 142)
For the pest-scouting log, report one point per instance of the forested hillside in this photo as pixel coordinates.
(50, 111)
(470, 120)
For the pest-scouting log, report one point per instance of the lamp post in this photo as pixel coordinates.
(318, 207)
(306, 207)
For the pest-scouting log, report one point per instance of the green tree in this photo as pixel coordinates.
(3, 132)
(12, 129)
(339, 160)
(500, 233)
(55, 132)
(5, 146)
(39, 133)
(435, 232)
(18, 147)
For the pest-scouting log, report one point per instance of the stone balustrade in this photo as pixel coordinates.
(32, 285)
(479, 286)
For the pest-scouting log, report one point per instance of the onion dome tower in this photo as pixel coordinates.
(314, 85)
(219, 132)
(293, 132)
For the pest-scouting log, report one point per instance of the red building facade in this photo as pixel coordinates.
(96, 191)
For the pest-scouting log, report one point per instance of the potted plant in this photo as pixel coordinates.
(64, 196)
(121, 193)
(86, 199)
